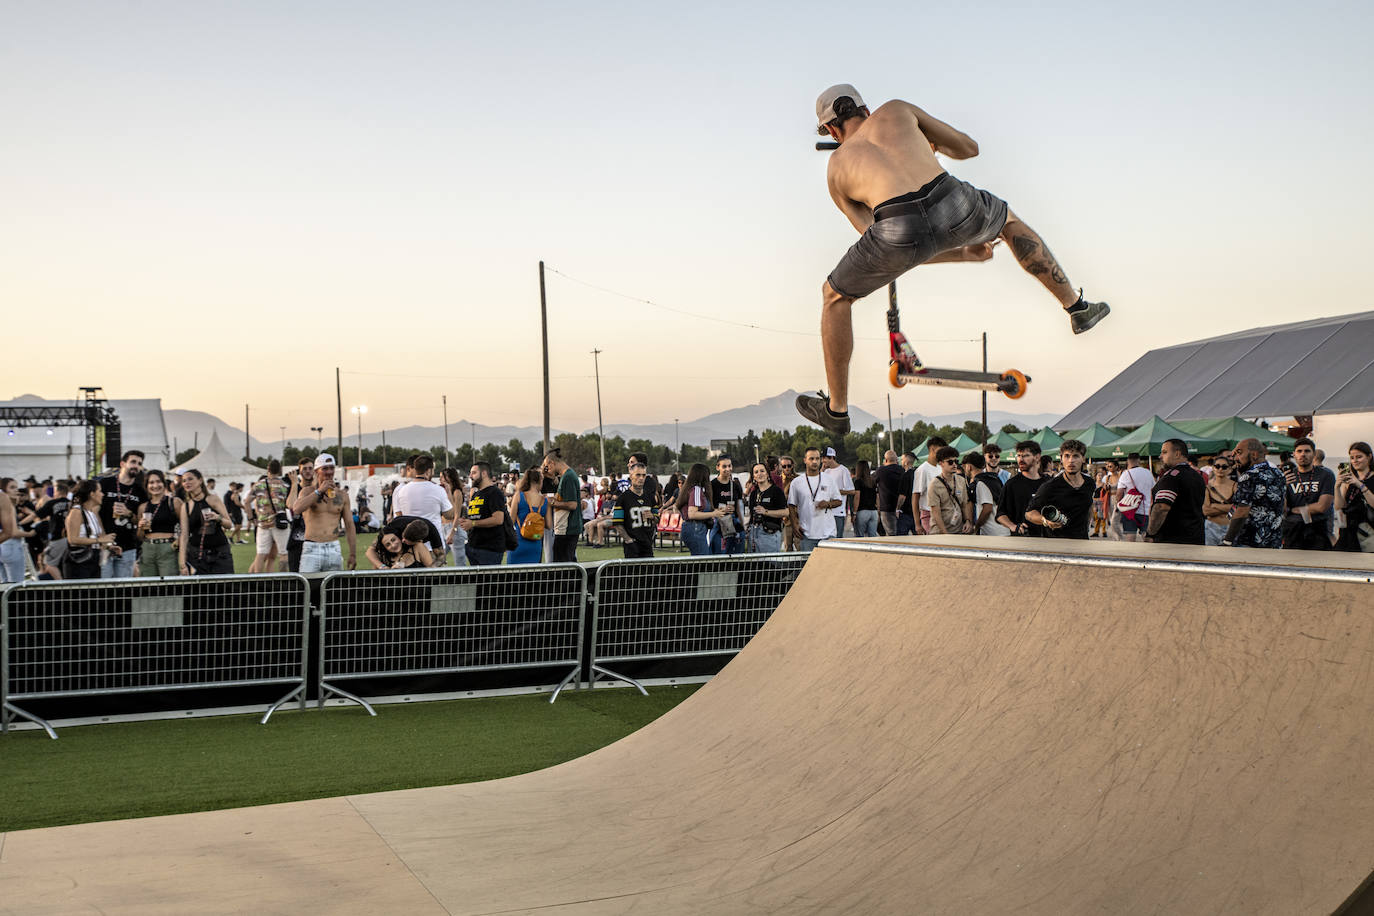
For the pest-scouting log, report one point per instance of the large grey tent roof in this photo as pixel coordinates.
(1324, 365)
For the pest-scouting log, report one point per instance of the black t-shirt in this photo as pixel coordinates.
(55, 512)
(905, 488)
(635, 513)
(888, 479)
(1016, 498)
(1182, 489)
(131, 495)
(1308, 487)
(24, 508)
(1075, 502)
(726, 494)
(772, 499)
(483, 503)
(868, 496)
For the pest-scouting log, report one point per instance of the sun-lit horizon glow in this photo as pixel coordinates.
(219, 205)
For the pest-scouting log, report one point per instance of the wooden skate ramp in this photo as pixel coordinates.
(926, 725)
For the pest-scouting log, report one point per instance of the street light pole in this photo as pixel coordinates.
(600, 427)
(446, 461)
(890, 443)
(677, 441)
(319, 437)
(283, 443)
(358, 412)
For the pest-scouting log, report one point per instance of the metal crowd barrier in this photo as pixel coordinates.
(387, 623)
(685, 606)
(98, 637)
(95, 637)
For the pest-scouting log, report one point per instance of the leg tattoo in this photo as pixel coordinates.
(1035, 258)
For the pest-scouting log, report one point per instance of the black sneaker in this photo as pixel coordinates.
(816, 408)
(1090, 314)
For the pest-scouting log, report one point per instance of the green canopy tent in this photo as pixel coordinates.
(1150, 438)
(1233, 429)
(1007, 442)
(1075, 434)
(965, 444)
(1097, 434)
(1048, 440)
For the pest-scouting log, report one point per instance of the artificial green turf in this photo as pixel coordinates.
(141, 769)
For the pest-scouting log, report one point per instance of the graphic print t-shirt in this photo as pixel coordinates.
(635, 512)
(483, 504)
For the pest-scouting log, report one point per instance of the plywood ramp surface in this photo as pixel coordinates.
(301, 858)
(947, 730)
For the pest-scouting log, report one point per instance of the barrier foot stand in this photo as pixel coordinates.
(328, 690)
(565, 682)
(41, 723)
(295, 692)
(597, 669)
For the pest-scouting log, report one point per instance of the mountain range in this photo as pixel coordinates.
(777, 412)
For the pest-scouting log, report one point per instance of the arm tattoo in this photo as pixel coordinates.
(1024, 247)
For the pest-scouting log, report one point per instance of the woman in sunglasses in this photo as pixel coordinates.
(1219, 499)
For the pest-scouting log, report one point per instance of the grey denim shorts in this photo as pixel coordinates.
(947, 213)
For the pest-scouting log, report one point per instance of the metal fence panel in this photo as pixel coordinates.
(436, 621)
(686, 606)
(111, 636)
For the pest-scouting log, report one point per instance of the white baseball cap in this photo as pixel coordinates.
(324, 460)
(830, 452)
(825, 104)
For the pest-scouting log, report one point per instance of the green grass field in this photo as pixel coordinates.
(141, 769)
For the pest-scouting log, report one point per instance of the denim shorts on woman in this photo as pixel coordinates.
(946, 213)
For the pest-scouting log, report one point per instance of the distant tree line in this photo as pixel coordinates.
(584, 451)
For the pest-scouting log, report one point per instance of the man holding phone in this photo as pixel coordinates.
(1311, 490)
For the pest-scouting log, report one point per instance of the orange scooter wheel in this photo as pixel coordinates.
(1015, 383)
(894, 375)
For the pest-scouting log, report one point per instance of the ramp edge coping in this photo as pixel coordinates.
(1258, 570)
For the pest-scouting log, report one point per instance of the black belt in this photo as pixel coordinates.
(908, 204)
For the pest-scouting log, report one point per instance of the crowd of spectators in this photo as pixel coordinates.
(137, 521)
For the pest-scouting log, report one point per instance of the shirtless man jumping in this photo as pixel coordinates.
(324, 505)
(885, 178)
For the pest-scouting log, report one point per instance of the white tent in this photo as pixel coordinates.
(218, 462)
(61, 451)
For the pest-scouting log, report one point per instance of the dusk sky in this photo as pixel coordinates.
(219, 203)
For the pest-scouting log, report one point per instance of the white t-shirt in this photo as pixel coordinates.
(990, 527)
(925, 473)
(804, 493)
(1143, 480)
(422, 498)
(839, 475)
